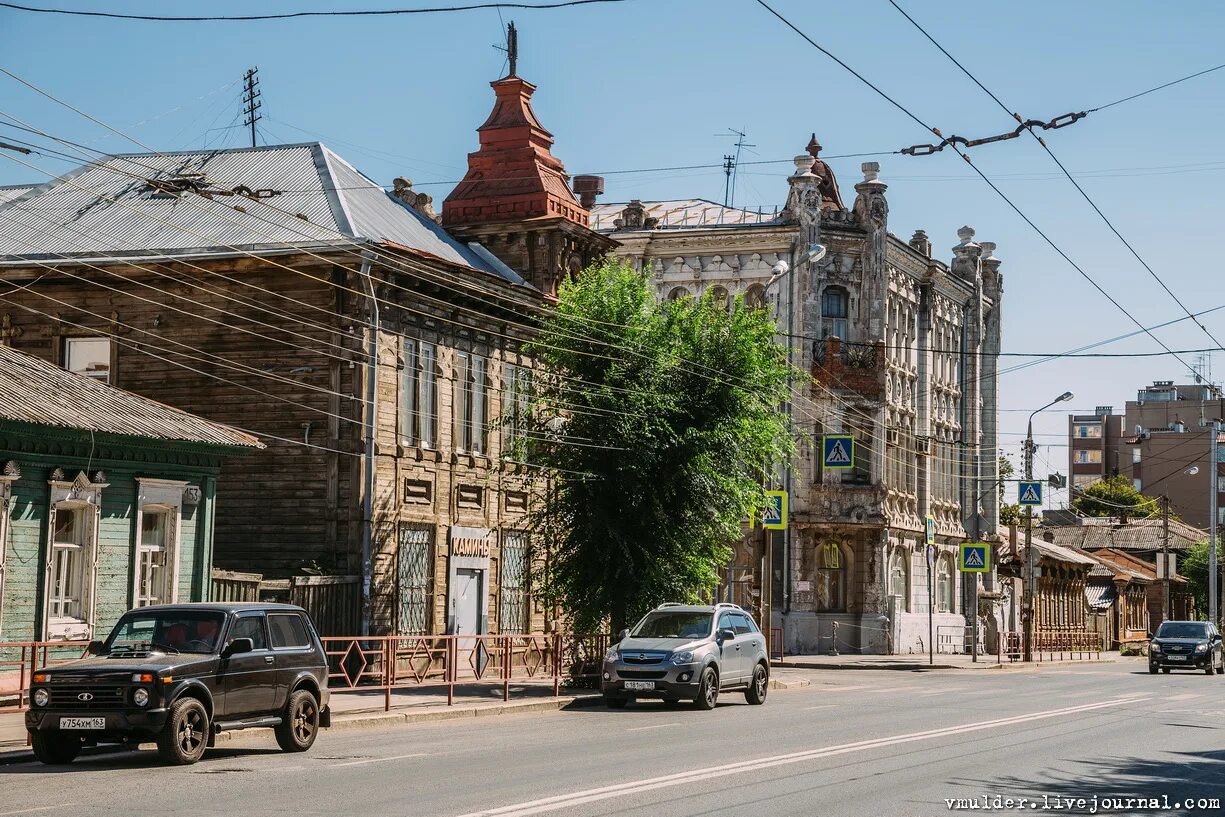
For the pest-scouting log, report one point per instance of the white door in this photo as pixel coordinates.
(466, 598)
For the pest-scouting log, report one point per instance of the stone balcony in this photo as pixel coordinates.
(854, 367)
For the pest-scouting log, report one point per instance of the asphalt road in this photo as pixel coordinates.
(856, 743)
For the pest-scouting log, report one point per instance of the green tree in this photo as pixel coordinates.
(1009, 513)
(1115, 496)
(1193, 564)
(658, 424)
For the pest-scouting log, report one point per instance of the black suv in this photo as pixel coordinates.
(179, 674)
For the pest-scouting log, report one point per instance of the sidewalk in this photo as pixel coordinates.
(363, 709)
(919, 661)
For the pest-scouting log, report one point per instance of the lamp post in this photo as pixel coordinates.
(1027, 610)
(780, 269)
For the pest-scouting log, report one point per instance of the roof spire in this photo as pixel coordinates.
(814, 147)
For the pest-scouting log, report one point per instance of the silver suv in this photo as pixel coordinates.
(688, 651)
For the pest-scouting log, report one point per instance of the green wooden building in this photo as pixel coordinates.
(107, 501)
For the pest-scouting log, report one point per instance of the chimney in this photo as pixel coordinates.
(922, 243)
(588, 188)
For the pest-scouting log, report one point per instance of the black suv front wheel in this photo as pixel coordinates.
(184, 737)
(55, 748)
(300, 723)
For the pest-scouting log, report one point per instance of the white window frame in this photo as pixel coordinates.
(945, 579)
(516, 405)
(108, 376)
(901, 558)
(419, 394)
(471, 402)
(159, 496)
(6, 504)
(81, 494)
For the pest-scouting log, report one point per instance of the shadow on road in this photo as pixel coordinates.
(108, 758)
(1185, 778)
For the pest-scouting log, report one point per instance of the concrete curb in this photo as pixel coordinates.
(915, 666)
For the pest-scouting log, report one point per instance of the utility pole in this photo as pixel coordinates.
(1213, 488)
(250, 100)
(729, 164)
(1027, 607)
(1165, 558)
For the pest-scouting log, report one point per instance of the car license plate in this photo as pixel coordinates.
(82, 723)
(639, 684)
(1177, 657)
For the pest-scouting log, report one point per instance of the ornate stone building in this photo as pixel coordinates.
(903, 351)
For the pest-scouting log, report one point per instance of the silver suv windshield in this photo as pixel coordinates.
(1182, 629)
(663, 624)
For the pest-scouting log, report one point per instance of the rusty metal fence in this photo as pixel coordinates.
(19, 660)
(389, 663)
(1069, 645)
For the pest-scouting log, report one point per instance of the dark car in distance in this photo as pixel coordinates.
(1186, 645)
(178, 675)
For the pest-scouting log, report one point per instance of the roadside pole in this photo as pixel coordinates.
(1213, 488)
(931, 644)
(1166, 600)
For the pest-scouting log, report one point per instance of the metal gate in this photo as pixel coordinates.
(414, 577)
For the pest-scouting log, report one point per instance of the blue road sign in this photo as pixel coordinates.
(775, 515)
(839, 451)
(1029, 492)
(975, 557)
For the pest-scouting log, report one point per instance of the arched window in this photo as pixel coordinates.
(832, 569)
(720, 298)
(834, 306)
(677, 293)
(899, 577)
(945, 598)
(755, 297)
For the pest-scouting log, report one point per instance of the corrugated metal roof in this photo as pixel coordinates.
(35, 391)
(12, 191)
(679, 213)
(1062, 554)
(109, 209)
(1138, 534)
(1100, 596)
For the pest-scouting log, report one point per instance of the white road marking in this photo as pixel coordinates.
(842, 689)
(653, 726)
(564, 801)
(368, 760)
(939, 691)
(822, 706)
(1185, 696)
(32, 810)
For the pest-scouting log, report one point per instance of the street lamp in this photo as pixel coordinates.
(1027, 612)
(781, 267)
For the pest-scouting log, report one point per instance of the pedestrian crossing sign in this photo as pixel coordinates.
(839, 451)
(975, 557)
(1029, 492)
(775, 515)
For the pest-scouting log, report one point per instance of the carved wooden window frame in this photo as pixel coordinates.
(83, 495)
(160, 496)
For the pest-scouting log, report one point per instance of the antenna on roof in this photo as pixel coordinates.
(730, 165)
(511, 49)
(250, 100)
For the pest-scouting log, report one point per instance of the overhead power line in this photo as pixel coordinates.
(1029, 126)
(160, 18)
(984, 177)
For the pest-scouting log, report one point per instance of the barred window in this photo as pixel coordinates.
(512, 583)
(415, 577)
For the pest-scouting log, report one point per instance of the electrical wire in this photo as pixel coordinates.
(298, 14)
(1076, 184)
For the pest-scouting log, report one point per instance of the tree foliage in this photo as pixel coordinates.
(1115, 496)
(1009, 513)
(1193, 564)
(658, 423)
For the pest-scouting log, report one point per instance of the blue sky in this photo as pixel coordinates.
(656, 83)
